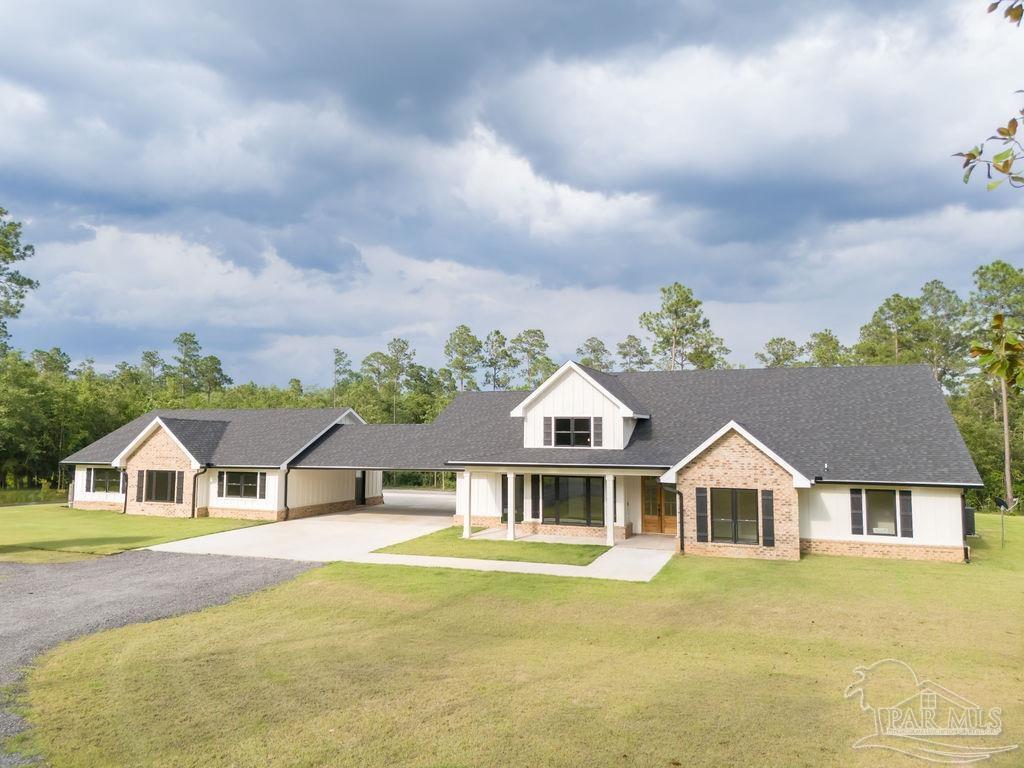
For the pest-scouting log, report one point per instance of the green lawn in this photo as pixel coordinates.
(715, 662)
(448, 542)
(53, 533)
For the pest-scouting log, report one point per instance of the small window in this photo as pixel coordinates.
(159, 485)
(573, 432)
(881, 512)
(241, 485)
(106, 480)
(734, 515)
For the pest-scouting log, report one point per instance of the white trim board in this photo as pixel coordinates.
(799, 481)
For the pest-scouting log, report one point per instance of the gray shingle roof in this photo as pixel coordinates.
(617, 387)
(223, 437)
(880, 424)
(869, 424)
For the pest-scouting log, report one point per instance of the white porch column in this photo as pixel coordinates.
(467, 526)
(527, 497)
(609, 509)
(511, 530)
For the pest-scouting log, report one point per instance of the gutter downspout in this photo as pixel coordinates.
(286, 510)
(195, 483)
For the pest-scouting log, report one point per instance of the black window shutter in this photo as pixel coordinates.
(768, 517)
(547, 430)
(220, 484)
(856, 511)
(139, 485)
(88, 480)
(261, 484)
(598, 432)
(504, 494)
(534, 494)
(179, 484)
(906, 515)
(702, 514)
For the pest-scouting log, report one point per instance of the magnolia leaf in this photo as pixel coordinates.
(967, 174)
(993, 184)
(993, 6)
(1011, 127)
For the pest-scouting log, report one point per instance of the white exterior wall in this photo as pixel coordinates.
(825, 514)
(374, 483)
(209, 496)
(82, 495)
(573, 395)
(307, 487)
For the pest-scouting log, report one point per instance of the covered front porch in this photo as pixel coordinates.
(583, 503)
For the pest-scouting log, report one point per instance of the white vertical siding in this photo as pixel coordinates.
(374, 483)
(486, 494)
(825, 514)
(573, 395)
(308, 487)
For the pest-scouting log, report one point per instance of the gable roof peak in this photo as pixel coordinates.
(608, 383)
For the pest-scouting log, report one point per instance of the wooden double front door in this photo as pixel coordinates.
(659, 507)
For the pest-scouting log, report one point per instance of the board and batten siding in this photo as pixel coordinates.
(573, 395)
(825, 514)
(374, 483)
(310, 487)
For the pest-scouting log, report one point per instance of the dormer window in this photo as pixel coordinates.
(573, 432)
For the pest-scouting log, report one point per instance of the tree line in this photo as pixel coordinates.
(50, 407)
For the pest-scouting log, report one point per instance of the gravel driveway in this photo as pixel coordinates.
(43, 605)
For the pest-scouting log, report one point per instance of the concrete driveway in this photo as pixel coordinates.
(341, 536)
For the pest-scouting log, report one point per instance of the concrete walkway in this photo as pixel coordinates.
(353, 537)
(618, 563)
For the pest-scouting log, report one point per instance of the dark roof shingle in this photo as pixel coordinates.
(265, 437)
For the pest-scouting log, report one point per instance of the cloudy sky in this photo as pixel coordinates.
(284, 178)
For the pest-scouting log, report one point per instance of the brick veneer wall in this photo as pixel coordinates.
(160, 452)
(109, 505)
(733, 462)
(877, 549)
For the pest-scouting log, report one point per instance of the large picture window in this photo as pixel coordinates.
(106, 480)
(881, 512)
(734, 515)
(573, 500)
(159, 485)
(572, 432)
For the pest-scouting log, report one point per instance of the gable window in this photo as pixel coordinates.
(574, 432)
(881, 512)
(242, 485)
(105, 480)
(159, 485)
(734, 515)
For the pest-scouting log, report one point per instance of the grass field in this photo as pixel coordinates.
(448, 542)
(47, 533)
(10, 496)
(715, 662)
